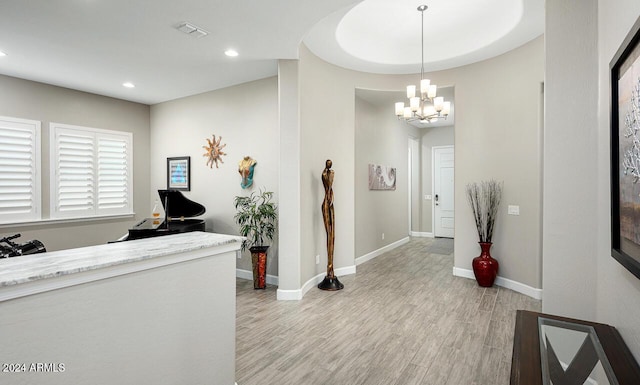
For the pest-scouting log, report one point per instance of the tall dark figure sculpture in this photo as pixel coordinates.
(330, 282)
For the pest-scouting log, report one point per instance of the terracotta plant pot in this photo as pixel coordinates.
(485, 268)
(259, 264)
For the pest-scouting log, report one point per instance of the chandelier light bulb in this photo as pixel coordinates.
(399, 109)
(446, 110)
(432, 91)
(438, 103)
(411, 92)
(407, 113)
(424, 87)
(414, 103)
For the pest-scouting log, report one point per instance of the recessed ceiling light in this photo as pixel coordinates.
(2, 54)
(128, 85)
(231, 53)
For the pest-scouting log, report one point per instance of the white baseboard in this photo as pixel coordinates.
(288, 295)
(246, 274)
(382, 250)
(419, 234)
(341, 271)
(296, 295)
(504, 282)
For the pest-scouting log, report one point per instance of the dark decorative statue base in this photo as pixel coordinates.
(331, 284)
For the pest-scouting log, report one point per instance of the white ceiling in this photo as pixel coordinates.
(384, 36)
(96, 45)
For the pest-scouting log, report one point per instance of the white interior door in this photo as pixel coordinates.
(443, 172)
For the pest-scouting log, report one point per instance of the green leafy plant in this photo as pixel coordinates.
(256, 215)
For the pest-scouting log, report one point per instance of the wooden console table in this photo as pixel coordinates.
(556, 350)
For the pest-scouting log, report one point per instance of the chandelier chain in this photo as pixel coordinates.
(425, 106)
(422, 42)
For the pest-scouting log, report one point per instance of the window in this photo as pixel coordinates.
(19, 164)
(91, 172)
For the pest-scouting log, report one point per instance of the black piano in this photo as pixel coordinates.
(178, 217)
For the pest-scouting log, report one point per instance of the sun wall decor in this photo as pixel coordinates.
(214, 151)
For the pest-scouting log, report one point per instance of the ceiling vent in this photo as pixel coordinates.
(191, 30)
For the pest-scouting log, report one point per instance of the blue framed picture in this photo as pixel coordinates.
(179, 173)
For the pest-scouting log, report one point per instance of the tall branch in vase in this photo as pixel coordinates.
(484, 199)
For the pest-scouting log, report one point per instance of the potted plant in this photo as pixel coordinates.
(256, 215)
(484, 199)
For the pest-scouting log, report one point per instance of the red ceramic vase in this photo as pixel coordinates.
(259, 262)
(485, 268)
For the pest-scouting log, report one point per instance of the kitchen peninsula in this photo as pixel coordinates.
(157, 310)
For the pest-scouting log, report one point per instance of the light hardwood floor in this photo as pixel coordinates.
(403, 319)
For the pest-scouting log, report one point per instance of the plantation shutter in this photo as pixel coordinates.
(19, 177)
(113, 174)
(92, 175)
(74, 192)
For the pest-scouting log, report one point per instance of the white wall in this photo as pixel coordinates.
(327, 108)
(246, 116)
(380, 138)
(37, 101)
(618, 291)
(327, 126)
(571, 159)
(581, 279)
(496, 136)
(289, 226)
(415, 155)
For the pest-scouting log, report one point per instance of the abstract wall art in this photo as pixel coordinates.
(214, 151)
(382, 177)
(246, 167)
(625, 152)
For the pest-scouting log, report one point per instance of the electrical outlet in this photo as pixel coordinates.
(318, 259)
(513, 210)
(382, 235)
(427, 197)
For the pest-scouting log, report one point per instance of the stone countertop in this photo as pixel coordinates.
(29, 268)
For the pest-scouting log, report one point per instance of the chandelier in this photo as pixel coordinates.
(427, 107)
